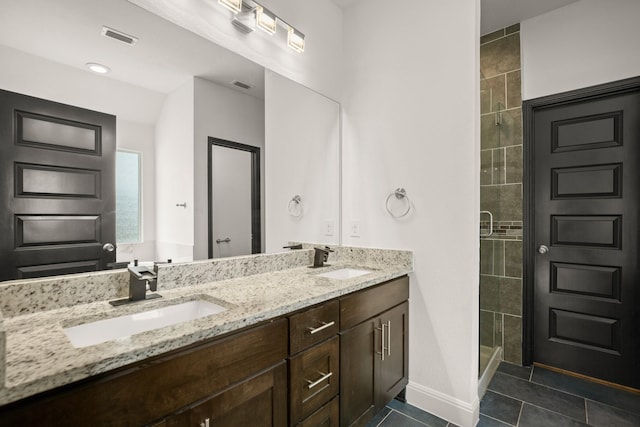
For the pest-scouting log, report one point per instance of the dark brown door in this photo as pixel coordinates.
(57, 188)
(586, 176)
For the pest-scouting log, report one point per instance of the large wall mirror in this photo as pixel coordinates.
(172, 93)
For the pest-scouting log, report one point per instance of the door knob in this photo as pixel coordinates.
(543, 249)
(108, 247)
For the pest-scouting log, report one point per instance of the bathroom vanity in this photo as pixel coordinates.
(291, 348)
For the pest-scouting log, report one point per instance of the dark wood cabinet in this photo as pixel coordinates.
(257, 401)
(314, 365)
(392, 370)
(314, 378)
(146, 392)
(374, 352)
(327, 416)
(336, 363)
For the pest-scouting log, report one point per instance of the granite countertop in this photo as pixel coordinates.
(40, 357)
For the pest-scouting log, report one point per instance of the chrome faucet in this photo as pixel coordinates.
(320, 256)
(141, 279)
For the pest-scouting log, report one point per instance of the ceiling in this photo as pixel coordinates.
(498, 14)
(164, 58)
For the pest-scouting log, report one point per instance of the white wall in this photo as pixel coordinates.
(174, 177)
(222, 113)
(135, 108)
(302, 158)
(411, 119)
(33, 75)
(583, 44)
(319, 67)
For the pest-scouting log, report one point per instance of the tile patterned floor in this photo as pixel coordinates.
(532, 397)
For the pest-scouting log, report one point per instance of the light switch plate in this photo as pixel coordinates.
(354, 229)
(328, 228)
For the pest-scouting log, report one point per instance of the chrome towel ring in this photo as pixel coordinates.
(295, 206)
(400, 194)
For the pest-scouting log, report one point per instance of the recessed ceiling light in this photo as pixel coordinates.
(98, 68)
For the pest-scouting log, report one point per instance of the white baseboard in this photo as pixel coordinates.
(444, 406)
(489, 372)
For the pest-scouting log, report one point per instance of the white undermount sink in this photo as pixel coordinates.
(344, 273)
(120, 327)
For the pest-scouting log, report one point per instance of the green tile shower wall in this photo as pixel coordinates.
(501, 192)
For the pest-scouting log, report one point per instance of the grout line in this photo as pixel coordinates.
(540, 385)
(520, 413)
(385, 417)
(410, 417)
(500, 421)
(531, 374)
(499, 74)
(586, 411)
(501, 37)
(554, 412)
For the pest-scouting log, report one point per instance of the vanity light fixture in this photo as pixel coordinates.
(97, 68)
(234, 6)
(263, 18)
(295, 40)
(266, 20)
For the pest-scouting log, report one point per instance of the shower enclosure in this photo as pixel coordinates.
(492, 172)
(501, 195)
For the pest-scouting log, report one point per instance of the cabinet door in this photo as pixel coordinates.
(393, 369)
(357, 367)
(258, 401)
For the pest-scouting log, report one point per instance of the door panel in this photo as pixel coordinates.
(234, 210)
(585, 184)
(57, 187)
(394, 369)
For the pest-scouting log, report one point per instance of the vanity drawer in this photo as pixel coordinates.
(363, 305)
(313, 326)
(327, 416)
(314, 378)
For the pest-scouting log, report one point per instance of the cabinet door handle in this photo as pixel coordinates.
(320, 328)
(389, 338)
(205, 423)
(324, 377)
(382, 347)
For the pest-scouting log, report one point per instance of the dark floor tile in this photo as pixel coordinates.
(396, 419)
(490, 422)
(532, 416)
(418, 414)
(545, 397)
(523, 372)
(375, 421)
(590, 390)
(601, 415)
(500, 407)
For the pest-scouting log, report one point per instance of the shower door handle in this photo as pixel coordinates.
(490, 231)
(543, 249)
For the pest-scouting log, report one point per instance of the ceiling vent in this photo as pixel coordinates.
(241, 84)
(119, 35)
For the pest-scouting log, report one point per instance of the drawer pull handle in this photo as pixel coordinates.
(320, 328)
(205, 423)
(312, 384)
